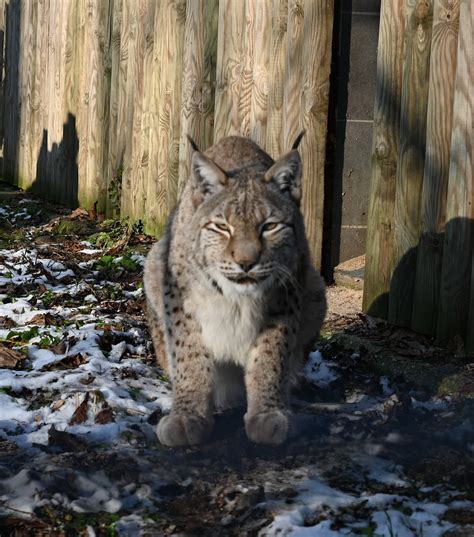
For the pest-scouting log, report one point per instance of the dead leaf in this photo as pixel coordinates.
(9, 358)
(68, 362)
(57, 404)
(59, 348)
(80, 414)
(87, 380)
(65, 441)
(78, 213)
(43, 319)
(6, 322)
(106, 415)
(120, 245)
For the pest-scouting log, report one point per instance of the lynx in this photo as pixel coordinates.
(234, 304)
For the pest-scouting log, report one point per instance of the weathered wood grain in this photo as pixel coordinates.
(199, 65)
(142, 19)
(229, 68)
(261, 64)
(142, 160)
(435, 180)
(245, 83)
(11, 96)
(40, 108)
(27, 39)
(294, 72)
(276, 78)
(114, 176)
(162, 183)
(459, 233)
(313, 106)
(379, 258)
(2, 67)
(411, 162)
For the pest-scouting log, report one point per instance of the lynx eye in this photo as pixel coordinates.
(270, 226)
(219, 227)
(222, 227)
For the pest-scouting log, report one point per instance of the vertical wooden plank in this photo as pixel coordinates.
(26, 63)
(276, 78)
(293, 73)
(316, 66)
(70, 139)
(123, 97)
(104, 34)
(91, 122)
(379, 258)
(435, 180)
(200, 55)
(132, 192)
(459, 234)
(155, 183)
(97, 33)
(61, 184)
(174, 53)
(2, 71)
(162, 182)
(40, 109)
(245, 71)
(12, 100)
(229, 67)
(114, 186)
(143, 142)
(82, 116)
(411, 163)
(260, 77)
(261, 65)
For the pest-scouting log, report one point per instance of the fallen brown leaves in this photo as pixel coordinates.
(68, 362)
(106, 415)
(10, 359)
(80, 414)
(65, 441)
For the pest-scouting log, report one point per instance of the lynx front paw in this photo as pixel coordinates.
(267, 427)
(181, 430)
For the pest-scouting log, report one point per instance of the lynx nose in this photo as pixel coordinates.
(246, 255)
(246, 266)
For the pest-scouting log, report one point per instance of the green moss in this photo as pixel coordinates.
(74, 523)
(457, 385)
(71, 227)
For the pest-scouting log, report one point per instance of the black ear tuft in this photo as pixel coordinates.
(192, 142)
(296, 143)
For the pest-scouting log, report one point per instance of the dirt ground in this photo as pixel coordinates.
(382, 435)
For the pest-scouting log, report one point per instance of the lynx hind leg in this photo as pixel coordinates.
(157, 338)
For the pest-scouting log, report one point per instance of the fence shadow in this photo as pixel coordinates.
(444, 306)
(57, 176)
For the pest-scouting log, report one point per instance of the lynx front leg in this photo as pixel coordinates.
(266, 379)
(190, 419)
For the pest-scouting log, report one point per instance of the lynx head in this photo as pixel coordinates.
(247, 228)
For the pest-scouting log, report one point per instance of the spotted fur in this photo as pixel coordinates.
(234, 303)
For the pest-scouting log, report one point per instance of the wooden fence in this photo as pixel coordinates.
(419, 266)
(99, 95)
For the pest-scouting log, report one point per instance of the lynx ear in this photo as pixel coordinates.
(286, 174)
(207, 178)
